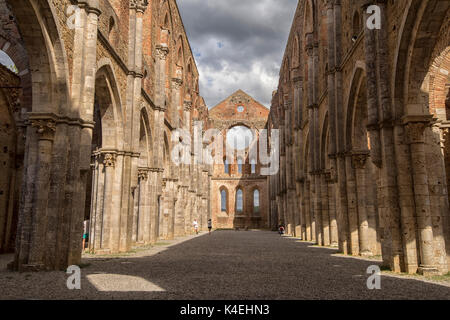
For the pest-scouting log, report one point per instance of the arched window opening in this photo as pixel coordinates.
(253, 166)
(239, 200)
(111, 26)
(226, 166)
(239, 162)
(223, 200)
(7, 62)
(239, 137)
(166, 21)
(256, 201)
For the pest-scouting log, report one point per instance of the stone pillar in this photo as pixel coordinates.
(318, 211)
(352, 205)
(331, 193)
(341, 209)
(176, 96)
(415, 135)
(96, 223)
(332, 122)
(109, 161)
(307, 211)
(359, 159)
(142, 219)
(46, 130)
(325, 210)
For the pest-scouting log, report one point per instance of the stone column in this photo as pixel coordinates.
(109, 161)
(307, 210)
(97, 213)
(352, 205)
(176, 96)
(359, 159)
(136, 212)
(142, 220)
(46, 130)
(415, 136)
(325, 210)
(94, 197)
(331, 193)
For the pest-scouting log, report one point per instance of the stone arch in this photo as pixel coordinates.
(356, 24)
(11, 164)
(357, 87)
(109, 108)
(255, 195)
(47, 58)
(179, 59)
(166, 156)
(39, 241)
(239, 204)
(166, 16)
(17, 53)
(419, 32)
(324, 159)
(360, 175)
(309, 21)
(145, 141)
(419, 36)
(295, 52)
(224, 196)
(438, 79)
(189, 76)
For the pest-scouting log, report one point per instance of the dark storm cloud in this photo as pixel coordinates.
(238, 44)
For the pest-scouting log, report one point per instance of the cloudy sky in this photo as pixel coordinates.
(238, 44)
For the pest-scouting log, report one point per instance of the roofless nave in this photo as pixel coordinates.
(88, 124)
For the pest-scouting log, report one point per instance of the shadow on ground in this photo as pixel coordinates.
(223, 265)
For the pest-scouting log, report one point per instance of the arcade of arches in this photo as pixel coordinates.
(89, 115)
(364, 116)
(86, 129)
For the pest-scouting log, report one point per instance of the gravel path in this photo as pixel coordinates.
(223, 265)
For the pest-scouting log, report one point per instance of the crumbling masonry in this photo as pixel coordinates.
(87, 125)
(365, 115)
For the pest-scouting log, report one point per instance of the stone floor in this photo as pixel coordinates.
(223, 265)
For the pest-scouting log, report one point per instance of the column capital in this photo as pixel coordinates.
(415, 127)
(45, 128)
(143, 174)
(329, 4)
(328, 176)
(187, 105)
(177, 83)
(162, 51)
(139, 5)
(297, 81)
(109, 159)
(91, 6)
(359, 158)
(309, 43)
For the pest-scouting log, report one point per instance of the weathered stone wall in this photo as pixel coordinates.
(361, 148)
(223, 117)
(112, 81)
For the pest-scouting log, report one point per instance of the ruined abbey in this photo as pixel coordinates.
(364, 114)
(91, 115)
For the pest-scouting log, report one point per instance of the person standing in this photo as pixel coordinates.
(209, 225)
(85, 233)
(195, 224)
